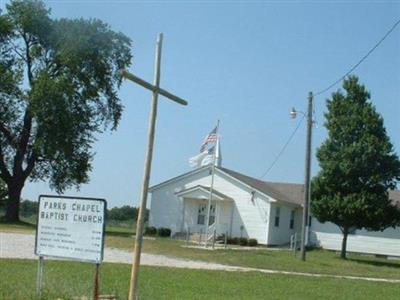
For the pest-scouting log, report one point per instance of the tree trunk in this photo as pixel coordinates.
(13, 201)
(344, 242)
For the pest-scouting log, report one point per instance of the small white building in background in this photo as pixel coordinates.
(244, 206)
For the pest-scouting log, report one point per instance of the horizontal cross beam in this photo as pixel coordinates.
(149, 86)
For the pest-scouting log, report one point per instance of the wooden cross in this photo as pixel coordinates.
(156, 90)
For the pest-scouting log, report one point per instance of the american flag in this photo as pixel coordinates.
(210, 138)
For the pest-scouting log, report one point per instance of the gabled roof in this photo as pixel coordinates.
(287, 192)
(177, 177)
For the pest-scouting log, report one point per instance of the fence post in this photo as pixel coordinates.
(214, 234)
(291, 242)
(226, 239)
(295, 244)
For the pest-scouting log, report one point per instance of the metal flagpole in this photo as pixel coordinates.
(217, 206)
(211, 191)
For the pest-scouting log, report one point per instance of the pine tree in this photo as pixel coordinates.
(358, 166)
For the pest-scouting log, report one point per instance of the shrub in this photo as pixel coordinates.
(243, 241)
(233, 240)
(125, 213)
(150, 230)
(252, 242)
(221, 238)
(28, 208)
(164, 232)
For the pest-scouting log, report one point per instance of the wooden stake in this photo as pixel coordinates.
(155, 88)
(96, 283)
(39, 278)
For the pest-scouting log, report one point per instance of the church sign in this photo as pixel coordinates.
(71, 228)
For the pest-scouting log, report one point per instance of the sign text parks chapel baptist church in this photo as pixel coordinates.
(71, 227)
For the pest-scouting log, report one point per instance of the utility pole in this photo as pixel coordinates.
(155, 88)
(304, 229)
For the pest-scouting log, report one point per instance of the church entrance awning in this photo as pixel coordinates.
(195, 200)
(202, 192)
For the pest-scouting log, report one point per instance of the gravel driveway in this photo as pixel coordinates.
(21, 245)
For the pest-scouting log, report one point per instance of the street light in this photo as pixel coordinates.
(293, 114)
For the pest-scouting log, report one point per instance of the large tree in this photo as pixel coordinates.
(3, 193)
(358, 166)
(58, 88)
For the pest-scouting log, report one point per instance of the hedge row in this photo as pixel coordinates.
(162, 231)
(239, 241)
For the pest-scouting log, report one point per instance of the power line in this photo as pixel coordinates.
(360, 61)
(328, 88)
(284, 147)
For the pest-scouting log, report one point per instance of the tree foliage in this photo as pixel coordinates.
(29, 208)
(125, 213)
(58, 88)
(358, 166)
(3, 193)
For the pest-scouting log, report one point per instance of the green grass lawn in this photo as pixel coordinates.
(67, 279)
(126, 229)
(318, 261)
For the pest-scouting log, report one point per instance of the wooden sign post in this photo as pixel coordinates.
(155, 88)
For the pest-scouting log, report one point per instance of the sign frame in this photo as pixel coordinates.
(73, 198)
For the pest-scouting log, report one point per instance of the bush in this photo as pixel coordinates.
(28, 208)
(150, 230)
(164, 232)
(252, 242)
(243, 241)
(125, 213)
(232, 240)
(221, 238)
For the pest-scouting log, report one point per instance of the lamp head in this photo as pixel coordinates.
(293, 113)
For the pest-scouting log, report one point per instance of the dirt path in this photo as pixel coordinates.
(21, 245)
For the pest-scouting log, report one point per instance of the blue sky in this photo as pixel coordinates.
(245, 63)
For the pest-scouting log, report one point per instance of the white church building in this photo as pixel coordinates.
(244, 206)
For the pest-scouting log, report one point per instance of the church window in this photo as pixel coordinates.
(277, 216)
(201, 216)
(291, 225)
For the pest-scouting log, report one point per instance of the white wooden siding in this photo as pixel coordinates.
(281, 235)
(328, 235)
(166, 209)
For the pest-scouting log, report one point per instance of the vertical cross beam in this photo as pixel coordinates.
(155, 88)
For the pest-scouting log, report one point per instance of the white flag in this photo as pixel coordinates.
(207, 160)
(196, 161)
(218, 155)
